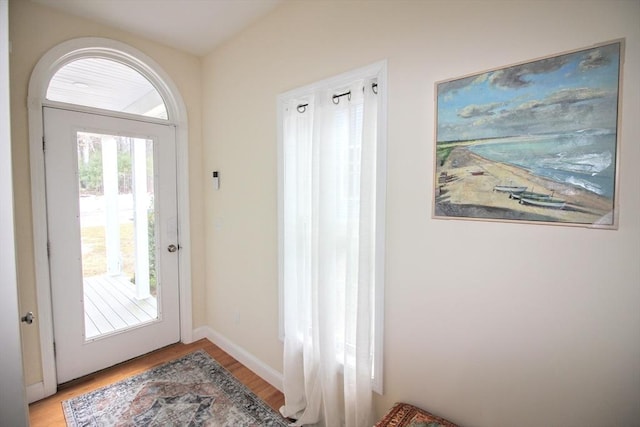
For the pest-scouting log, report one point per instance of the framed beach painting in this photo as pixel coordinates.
(533, 142)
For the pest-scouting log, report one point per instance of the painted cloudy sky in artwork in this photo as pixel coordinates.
(556, 95)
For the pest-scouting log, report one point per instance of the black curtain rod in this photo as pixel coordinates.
(336, 98)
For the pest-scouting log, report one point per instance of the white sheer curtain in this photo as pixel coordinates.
(329, 167)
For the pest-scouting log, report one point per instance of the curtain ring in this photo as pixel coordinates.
(336, 98)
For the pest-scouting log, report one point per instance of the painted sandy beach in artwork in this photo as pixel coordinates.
(531, 142)
(468, 185)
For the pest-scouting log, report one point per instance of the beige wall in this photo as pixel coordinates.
(33, 31)
(489, 324)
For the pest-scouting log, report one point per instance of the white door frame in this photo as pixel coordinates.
(46, 67)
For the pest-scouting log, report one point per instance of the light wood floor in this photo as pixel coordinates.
(48, 412)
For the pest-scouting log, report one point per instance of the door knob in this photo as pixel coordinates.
(28, 318)
(172, 248)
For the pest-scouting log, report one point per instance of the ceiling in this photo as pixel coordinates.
(194, 26)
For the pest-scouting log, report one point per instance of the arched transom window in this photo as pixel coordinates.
(106, 84)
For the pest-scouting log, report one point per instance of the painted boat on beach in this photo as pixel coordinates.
(544, 203)
(529, 195)
(509, 189)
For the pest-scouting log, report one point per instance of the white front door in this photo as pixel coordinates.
(113, 241)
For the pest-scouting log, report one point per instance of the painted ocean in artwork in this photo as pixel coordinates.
(584, 159)
(549, 126)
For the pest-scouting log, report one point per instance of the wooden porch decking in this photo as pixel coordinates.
(110, 305)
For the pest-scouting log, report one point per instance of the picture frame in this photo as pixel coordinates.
(534, 142)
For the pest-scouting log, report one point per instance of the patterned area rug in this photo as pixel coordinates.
(191, 391)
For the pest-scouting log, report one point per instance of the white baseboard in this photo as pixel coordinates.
(263, 370)
(35, 392)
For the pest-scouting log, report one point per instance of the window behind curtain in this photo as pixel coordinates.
(295, 157)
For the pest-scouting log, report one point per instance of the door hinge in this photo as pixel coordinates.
(48, 249)
(43, 143)
(54, 350)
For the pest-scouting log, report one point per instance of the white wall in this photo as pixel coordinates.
(488, 324)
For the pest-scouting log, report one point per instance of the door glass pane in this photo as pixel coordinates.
(106, 84)
(117, 222)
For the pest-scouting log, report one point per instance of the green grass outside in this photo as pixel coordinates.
(94, 257)
(94, 253)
